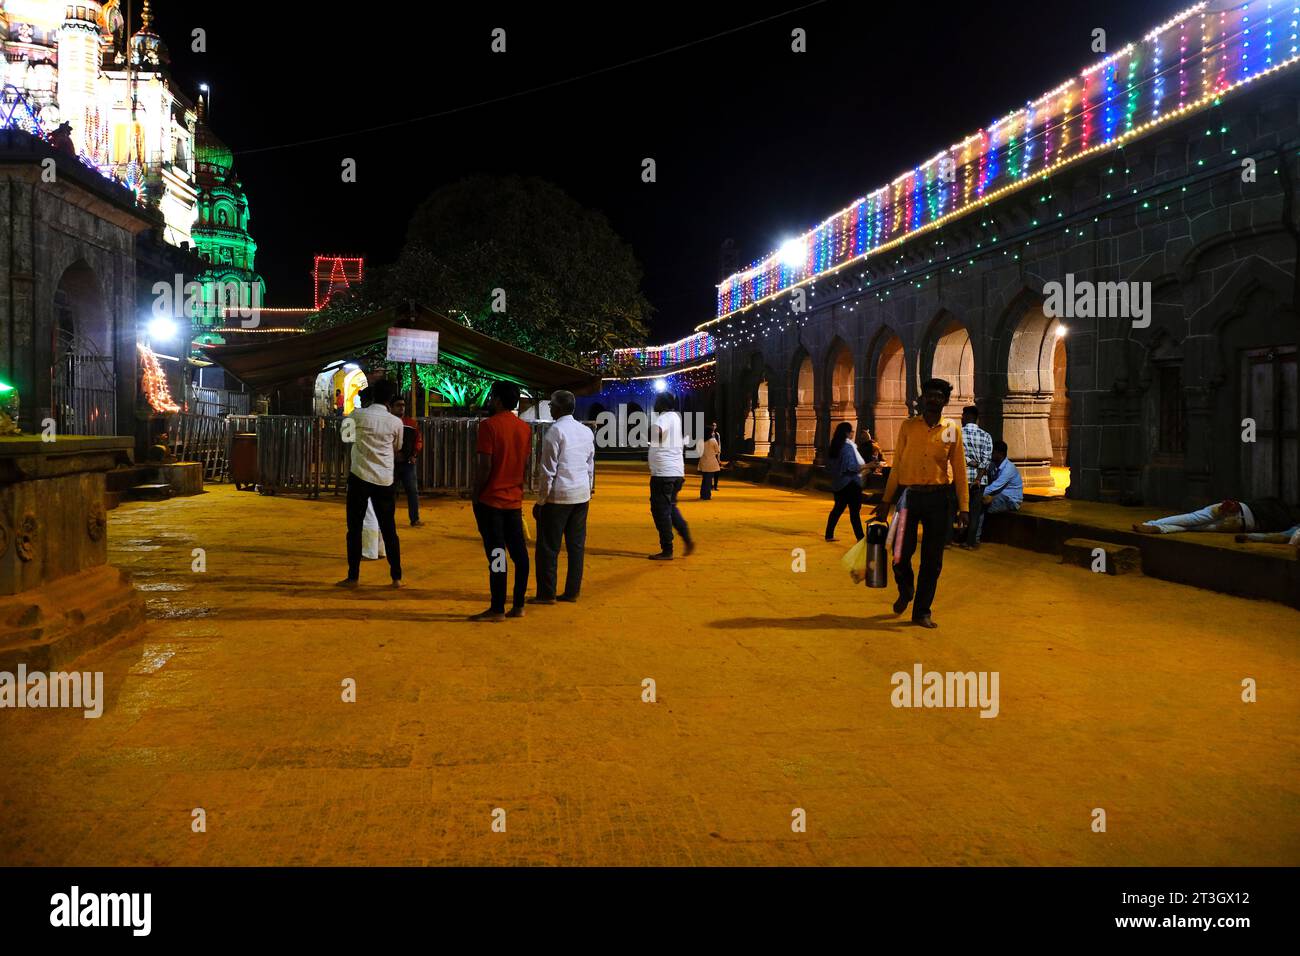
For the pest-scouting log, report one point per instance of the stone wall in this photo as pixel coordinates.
(79, 222)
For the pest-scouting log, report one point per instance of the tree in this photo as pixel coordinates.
(514, 258)
(521, 261)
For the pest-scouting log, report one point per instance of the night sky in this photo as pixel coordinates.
(752, 141)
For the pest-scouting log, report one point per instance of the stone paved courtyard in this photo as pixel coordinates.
(773, 694)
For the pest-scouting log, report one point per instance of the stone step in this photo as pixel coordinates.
(156, 492)
(1102, 556)
(122, 480)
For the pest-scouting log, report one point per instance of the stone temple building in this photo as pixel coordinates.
(133, 195)
(1108, 273)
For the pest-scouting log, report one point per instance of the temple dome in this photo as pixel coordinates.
(211, 150)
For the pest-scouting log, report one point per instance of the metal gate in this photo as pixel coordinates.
(307, 455)
(84, 387)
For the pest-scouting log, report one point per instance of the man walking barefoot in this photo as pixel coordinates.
(929, 461)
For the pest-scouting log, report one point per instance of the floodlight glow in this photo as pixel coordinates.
(793, 253)
(162, 329)
(661, 385)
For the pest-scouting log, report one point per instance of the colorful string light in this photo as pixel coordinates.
(1120, 97)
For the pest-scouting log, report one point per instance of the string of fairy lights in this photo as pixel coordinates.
(1100, 109)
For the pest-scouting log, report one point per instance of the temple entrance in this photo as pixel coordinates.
(84, 384)
(805, 414)
(890, 407)
(954, 361)
(843, 407)
(1034, 425)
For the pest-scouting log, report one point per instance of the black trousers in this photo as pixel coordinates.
(930, 509)
(850, 496)
(502, 531)
(663, 508)
(567, 522)
(976, 506)
(708, 481)
(384, 498)
(405, 476)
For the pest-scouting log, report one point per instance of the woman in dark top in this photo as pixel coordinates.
(844, 462)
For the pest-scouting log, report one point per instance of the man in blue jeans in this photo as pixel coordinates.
(1005, 490)
(404, 471)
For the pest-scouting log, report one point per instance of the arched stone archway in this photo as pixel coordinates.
(805, 413)
(890, 406)
(84, 382)
(953, 359)
(843, 403)
(1030, 401)
(1059, 419)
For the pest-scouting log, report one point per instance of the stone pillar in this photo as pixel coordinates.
(1026, 428)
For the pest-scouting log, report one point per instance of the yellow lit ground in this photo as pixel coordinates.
(1120, 693)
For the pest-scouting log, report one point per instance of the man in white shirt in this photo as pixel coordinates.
(667, 475)
(376, 441)
(566, 477)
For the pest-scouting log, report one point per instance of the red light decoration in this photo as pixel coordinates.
(331, 274)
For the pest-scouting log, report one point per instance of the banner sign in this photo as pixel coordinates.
(413, 345)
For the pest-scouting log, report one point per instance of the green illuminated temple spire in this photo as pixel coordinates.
(221, 234)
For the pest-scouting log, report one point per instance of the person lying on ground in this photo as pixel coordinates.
(1229, 515)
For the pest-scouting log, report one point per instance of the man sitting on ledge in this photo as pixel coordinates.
(1004, 492)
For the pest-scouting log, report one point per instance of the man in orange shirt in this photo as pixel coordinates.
(504, 442)
(929, 464)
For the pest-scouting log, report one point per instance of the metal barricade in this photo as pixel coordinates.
(305, 454)
(200, 438)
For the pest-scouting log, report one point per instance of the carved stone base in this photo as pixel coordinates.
(49, 626)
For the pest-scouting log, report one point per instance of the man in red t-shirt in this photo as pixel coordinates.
(504, 442)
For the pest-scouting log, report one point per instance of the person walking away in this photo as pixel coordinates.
(666, 458)
(709, 464)
(377, 439)
(412, 445)
(716, 436)
(930, 463)
(979, 458)
(504, 442)
(845, 464)
(1005, 490)
(566, 478)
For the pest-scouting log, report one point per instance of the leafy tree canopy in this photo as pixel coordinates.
(517, 259)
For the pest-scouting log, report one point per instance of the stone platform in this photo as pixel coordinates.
(1212, 561)
(58, 596)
